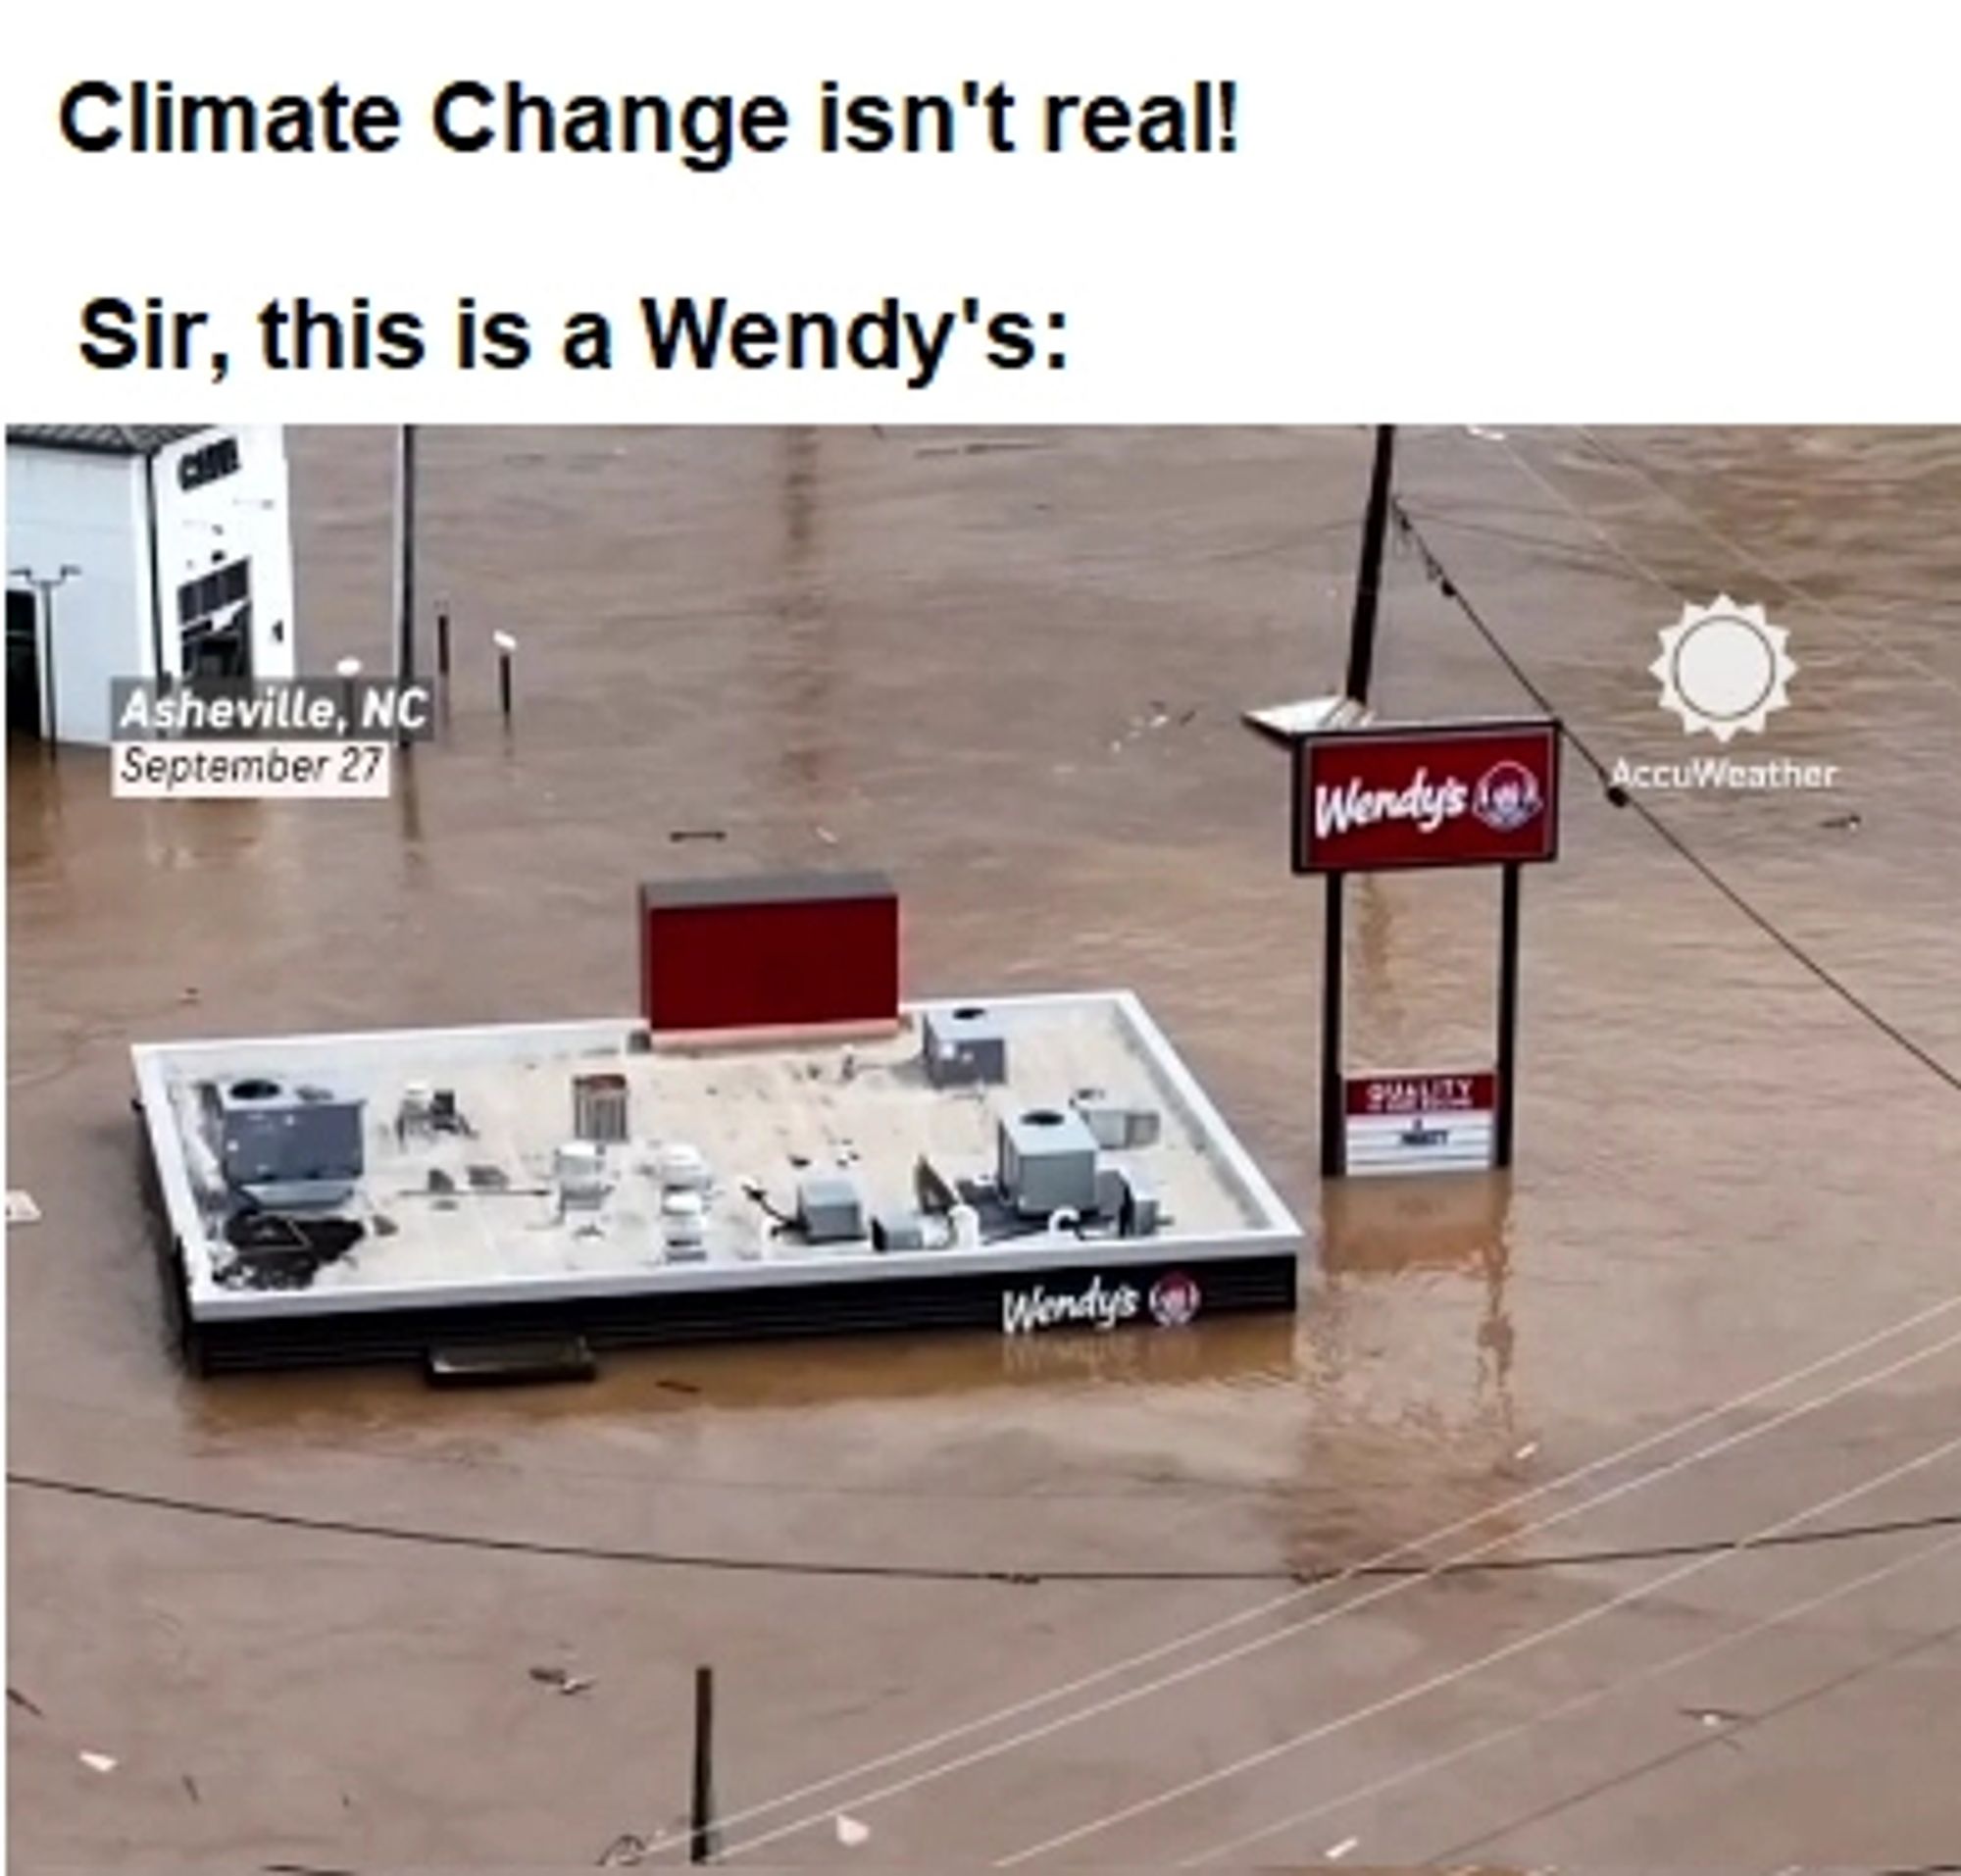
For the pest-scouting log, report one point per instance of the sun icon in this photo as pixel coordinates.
(1724, 668)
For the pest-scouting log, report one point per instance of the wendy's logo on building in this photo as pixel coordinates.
(1099, 1305)
(1507, 797)
(1173, 1301)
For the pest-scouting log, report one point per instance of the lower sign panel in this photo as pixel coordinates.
(1421, 1122)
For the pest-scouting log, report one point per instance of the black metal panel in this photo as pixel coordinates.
(965, 1300)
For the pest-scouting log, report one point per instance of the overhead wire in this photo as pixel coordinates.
(1452, 589)
(734, 1563)
(1565, 1710)
(1448, 1677)
(1284, 1631)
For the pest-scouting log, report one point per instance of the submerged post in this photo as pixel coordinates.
(1508, 1016)
(404, 546)
(506, 647)
(703, 1845)
(1334, 1105)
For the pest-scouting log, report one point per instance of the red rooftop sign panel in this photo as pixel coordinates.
(1426, 794)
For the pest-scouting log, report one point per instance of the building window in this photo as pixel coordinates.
(199, 600)
(215, 619)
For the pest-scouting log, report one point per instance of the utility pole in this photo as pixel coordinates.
(1361, 674)
(405, 550)
(45, 586)
(1369, 575)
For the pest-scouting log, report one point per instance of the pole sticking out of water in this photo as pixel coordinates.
(442, 646)
(704, 1842)
(1361, 671)
(506, 647)
(1369, 577)
(405, 549)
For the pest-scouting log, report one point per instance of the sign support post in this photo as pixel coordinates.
(1508, 1015)
(1334, 1105)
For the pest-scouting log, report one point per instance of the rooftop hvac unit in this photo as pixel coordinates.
(964, 1047)
(830, 1210)
(1049, 1162)
(599, 1107)
(288, 1145)
(1118, 1124)
(579, 1169)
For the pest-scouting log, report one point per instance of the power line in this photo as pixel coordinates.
(945, 1573)
(1408, 1772)
(925, 1744)
(1435, 569)
(1621, 460)
(1447, 1677)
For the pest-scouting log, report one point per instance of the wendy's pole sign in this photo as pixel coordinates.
(1385, 797)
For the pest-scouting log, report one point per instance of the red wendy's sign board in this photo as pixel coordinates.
(1426, 794)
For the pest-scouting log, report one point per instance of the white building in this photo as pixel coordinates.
(140, 551)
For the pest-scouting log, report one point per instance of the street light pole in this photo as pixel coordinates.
(46, 586)
(405, 584)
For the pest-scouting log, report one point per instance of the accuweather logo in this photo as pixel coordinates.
(1723, 669)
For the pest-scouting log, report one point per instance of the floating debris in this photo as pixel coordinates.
(190, 1786)
(562, 1679)
(1336, 1852)
(850, 1832)
(679, 834)
(97, 1761)
(623, 1851)
(15, 1698)
(21, 1209)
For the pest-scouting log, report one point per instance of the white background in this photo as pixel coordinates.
(1440, 212)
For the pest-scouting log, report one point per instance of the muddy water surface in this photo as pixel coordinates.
(1007, 668)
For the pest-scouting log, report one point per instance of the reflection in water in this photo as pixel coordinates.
(1459, 1222)
(1372, 979)
(699, 1385)
(1400, 1452)
(34, 809)
(805, 657)
(409, 810)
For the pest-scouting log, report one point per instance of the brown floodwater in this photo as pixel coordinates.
(1008, 667)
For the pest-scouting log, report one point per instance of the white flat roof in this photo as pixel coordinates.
(455, 1217)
